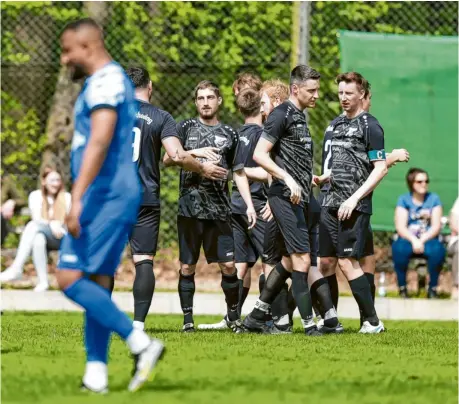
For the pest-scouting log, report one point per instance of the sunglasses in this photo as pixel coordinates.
(422, 181)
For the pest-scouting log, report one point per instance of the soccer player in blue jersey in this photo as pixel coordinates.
(106, 195)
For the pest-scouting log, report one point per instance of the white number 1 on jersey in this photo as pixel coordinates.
(136, 144)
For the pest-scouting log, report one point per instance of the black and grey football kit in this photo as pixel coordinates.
(204, 211)
(356, 144)
(152, 126)
(248, 244)
(292, 150)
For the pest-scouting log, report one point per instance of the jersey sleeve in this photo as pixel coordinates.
(234, 156)
(375, 138)
(274, 127)
(181, 132)
(106, 91)
(169, 127)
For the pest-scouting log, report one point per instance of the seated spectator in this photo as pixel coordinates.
(418, 224)
(12, 202)
(453, 246)
(48, 206)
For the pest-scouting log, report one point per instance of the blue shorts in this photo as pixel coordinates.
(99, 248)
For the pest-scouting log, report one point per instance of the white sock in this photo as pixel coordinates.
(284, 320)
(138, 325)
(96, 375)
(25, 246)
(137, 341)
(261, 305)
(308, 323)
(40, 258)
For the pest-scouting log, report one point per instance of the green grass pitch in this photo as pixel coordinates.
(414, 362)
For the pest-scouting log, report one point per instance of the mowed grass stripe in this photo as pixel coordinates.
(414, 362)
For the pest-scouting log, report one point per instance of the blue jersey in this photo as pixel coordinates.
(117, 185)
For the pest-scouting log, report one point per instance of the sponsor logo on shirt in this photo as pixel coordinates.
(144, 117)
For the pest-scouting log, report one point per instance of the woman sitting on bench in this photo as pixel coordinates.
(48, 206)
(418, 224)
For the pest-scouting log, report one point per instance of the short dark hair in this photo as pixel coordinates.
(411, 176)
(354, 77)
(247, 80)
(139, 76)
(249, 102)
(206, 84)
(83, 22)
(301, 73)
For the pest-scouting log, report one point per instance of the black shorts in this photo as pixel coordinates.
(349, 238)
(273, 244)
(216, 237)
(144, 236)
(248, 244)
(291, 220)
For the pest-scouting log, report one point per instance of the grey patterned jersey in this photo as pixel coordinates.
(355, 145)
(200, 197)
(286, 128)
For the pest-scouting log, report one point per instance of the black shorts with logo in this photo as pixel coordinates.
(144, 236)
(349, 238)
(248, 244)
(215, 236)
(291, 220)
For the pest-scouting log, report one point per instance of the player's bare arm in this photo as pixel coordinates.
(397, 156)
(103, 122)
(243, 186)
(375, 177)
(262, 157)
(175, 155)
(256, 174)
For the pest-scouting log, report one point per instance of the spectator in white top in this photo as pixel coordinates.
(48, 206)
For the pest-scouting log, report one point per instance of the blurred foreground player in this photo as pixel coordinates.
(105, 198)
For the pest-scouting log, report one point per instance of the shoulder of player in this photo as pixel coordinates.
(109, 75)
(187, 123)
(153, 111)
(369, 120)
(331, 126)
(229, 131)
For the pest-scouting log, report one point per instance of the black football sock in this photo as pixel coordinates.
(143, 289)
(321, 291)
(362, 294)
(291, 304)
(186, 288)
(371, 281)
(243, 293)
(279, 307)
(274, 284)
(261, 282)
(333, 285)
(230, 286)
(302, 297)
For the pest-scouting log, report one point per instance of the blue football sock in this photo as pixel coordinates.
(99, 306)
(97, 339)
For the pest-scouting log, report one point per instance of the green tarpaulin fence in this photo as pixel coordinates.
(414, 83)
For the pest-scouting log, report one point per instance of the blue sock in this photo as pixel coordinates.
(99, 306)
(97, 339)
